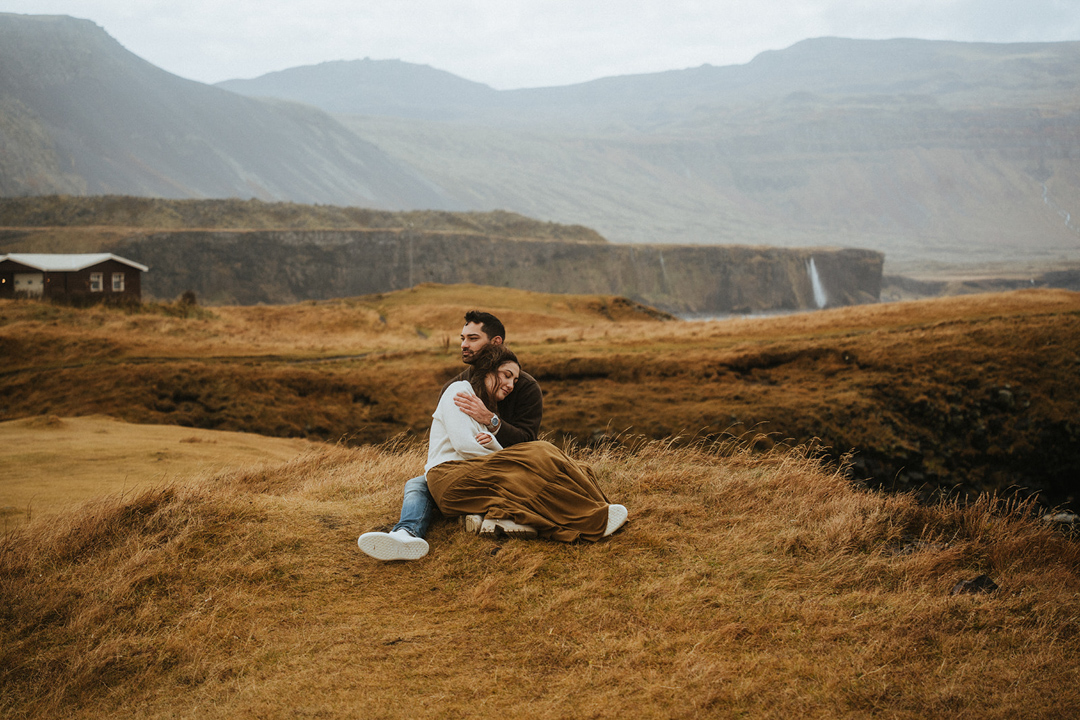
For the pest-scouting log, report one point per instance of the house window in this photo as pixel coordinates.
(96, 282)
(118, 282)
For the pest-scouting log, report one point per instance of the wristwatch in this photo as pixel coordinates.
(494, 424)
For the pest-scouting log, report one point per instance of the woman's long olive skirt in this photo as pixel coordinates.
(531, 483)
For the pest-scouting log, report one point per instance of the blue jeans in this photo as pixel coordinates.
(418, 508)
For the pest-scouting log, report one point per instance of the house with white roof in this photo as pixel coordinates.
(78, 278)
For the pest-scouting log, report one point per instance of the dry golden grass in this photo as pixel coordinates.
(55, 463)
(420, 319)
(64, 223)
(963, 393)
(745, 585)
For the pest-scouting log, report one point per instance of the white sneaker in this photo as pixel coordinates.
(507, 527)
(395, 545)
(473, 523)
(616, 516)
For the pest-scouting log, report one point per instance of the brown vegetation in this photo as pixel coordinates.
(972, 393)
(53, 464)
(745, 584)
(112, 215)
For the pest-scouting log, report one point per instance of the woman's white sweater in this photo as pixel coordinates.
(453, 433)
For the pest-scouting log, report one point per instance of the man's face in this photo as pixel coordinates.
(473, 339)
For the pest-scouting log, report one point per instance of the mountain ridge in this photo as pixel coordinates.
(114, 123)
(932, 152)
(390, 87)
(821, 66)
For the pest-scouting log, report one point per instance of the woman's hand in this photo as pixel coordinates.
(484, 438)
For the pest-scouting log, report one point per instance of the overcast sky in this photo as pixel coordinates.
(531, 43)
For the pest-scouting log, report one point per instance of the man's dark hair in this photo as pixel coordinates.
(490, 324)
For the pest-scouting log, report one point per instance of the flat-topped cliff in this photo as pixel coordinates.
(246, 252)
(280, 266)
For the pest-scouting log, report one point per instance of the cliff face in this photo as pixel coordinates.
(289, 266)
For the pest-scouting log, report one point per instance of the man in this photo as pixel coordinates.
(517, 420)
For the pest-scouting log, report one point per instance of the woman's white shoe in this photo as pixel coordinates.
(616, 516)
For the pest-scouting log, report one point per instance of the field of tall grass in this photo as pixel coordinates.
(196, 572)
(960, 395)
(746, 584)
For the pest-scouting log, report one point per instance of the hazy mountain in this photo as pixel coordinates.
(80, 114)
(373, 87)
(947, 73)
(931, 152)
(928, 151)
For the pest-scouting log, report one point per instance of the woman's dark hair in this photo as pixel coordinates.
(488, 361)
(490, 324)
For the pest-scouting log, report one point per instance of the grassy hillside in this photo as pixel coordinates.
(363, 368)
(55, 463)
(119, 213)
(966, 394)
(744, 585)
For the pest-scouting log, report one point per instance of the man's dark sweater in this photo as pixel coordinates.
(519, 413)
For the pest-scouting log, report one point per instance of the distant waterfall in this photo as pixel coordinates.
(1065, 214)
(663, 273)
(820, 299)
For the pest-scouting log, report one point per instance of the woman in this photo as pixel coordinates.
(532, 484)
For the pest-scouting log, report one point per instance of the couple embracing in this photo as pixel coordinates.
(485, 463)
